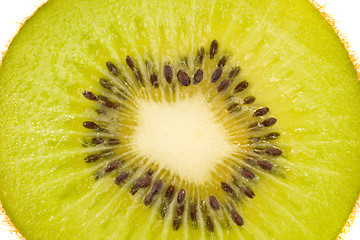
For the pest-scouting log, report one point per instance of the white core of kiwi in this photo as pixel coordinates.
(182, 137)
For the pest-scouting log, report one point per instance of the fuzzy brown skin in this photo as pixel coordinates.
(353, 56)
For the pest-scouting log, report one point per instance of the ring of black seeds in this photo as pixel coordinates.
(157, 188)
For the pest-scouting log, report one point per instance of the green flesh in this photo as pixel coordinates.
(293, 60)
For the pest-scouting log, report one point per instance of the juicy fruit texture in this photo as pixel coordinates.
(182, 138)
(93, 135)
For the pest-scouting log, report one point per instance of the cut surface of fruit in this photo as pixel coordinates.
(178, 120)
(184, 138)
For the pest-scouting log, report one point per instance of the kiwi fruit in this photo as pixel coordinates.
(231, 119)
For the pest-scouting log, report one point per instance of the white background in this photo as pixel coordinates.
(345, 12)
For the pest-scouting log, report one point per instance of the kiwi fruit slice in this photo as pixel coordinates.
(178, 120)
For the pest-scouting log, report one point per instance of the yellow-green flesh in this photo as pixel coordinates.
(293, 60)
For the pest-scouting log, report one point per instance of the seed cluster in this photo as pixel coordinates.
(177, 201)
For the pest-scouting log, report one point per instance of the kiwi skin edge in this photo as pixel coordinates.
(353, 55)
(331, 21)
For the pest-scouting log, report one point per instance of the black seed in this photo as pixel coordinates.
(112, 166)
(216, 75)
(90, 125)
(138, 76)
(130, 62)
(272, 136)
(183, 78)
(154, 80)
(269, 122)
(148, 199)
(168, 73)
(222, 62)
(113, 141)
(200, 55)
(92, 158)
(180, 210)
(265, 164)
(176, 223)
(234, 72)
(224, 84)
(209, 224)
(234, 108)
(143, 182)
(111, 67)
(214, 204)
(169, 192)
(249, 100)
(247, 173)
(241, 86)
(107, 103)
(181, 196)
(261, 112)
(227, 188)
(193, 212)
(213, 49)
(150, 172)
(273, 151)
(154, 191)
(248, 192)
(134, 190)
(198, 76)
(156, 187)
(236, 218)
(105, 83)
(110, 105)
(121, 177)
(97, 140)
(89, 95)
